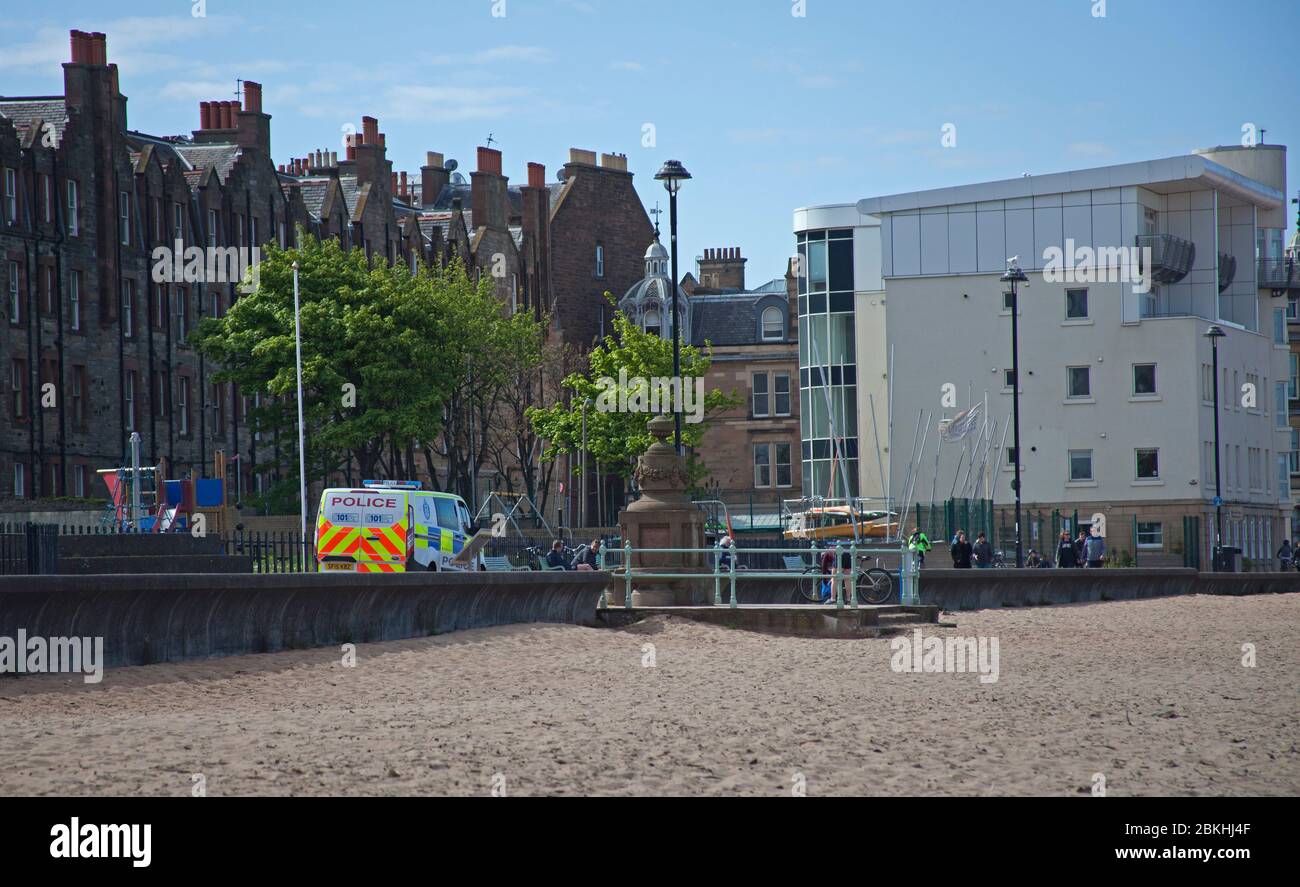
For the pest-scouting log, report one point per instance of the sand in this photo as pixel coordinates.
(1153, 695)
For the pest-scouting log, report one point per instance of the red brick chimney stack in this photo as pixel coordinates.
(488, 191)
(252, 97)
(536, 175)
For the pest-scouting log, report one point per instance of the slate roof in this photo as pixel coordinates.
(221, 157)
(725, 320)
(313, 192)
(26, 111)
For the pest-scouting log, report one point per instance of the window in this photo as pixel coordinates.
(79, 397)
(253, 241)
(129, 397)
(1293, 460)
(1076, 304)
(1011, 457)
(15, 300)
(1007, 297)
(11, 196)
(73, 208)
(49, 291)
(47, 199)
(128, 308)
(1144, 379)
(1148, 464)
(1080, 466)
(1008, 379)
(773, 325)
(762, 465)
(218, 409)
(1293, 387)
(124, 217)
(238, 225)
(653, 326)
(600, 259)
(782, 392)
(282, 236)
(1279, 325)
(1079, 382)
(18, 390)
(182, 314)
(160, 307)
(20, 480)
(79, 481)
(74, 301)
(157, 220)
(1207, 383)
(762, 405)
(1150, 534)
(783, 465)
(183, 405)
(178, 221)
(214, 222)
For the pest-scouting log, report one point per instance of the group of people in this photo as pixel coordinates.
(1088, 550)
(585, 559)
(965, 555)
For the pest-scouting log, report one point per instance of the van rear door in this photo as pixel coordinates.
(363, 531)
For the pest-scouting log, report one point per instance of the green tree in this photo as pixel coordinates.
(617, 436)
(382, 353)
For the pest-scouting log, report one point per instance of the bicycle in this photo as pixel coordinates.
(874, 585)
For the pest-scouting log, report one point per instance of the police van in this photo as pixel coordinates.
(392, 527)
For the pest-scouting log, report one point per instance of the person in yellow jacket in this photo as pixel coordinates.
(919, 544)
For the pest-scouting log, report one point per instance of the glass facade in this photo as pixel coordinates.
(827, 364)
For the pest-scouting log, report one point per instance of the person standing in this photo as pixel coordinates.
(983, 552)
(1078, 548)
(1065, 553)
(1094, 552)
(919, 544)
(961, 552)
(1284, 554)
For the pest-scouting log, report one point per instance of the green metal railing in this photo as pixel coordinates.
(909, 591)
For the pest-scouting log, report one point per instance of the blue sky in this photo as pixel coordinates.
(769, 110)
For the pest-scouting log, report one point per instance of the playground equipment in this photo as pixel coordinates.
(143, 500)
(496, 508)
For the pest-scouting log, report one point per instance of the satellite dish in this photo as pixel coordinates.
(451, 166)
(562, 175)
(457, 179)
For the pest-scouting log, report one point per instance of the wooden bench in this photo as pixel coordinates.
(500, 565)
(794, 563)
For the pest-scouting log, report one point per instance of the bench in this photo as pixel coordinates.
(794, 563)
(500, 565)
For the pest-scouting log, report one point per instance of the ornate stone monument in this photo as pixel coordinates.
(664, 517)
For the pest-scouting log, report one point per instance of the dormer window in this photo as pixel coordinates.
(652, 323)
(773, 325)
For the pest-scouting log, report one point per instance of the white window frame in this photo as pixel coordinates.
(178, 221)
(779, 324)
(11, 196)
(777, 463)
(766, 394)
(1087, 308)
(776, 394)
(1136, 455)
(1069, 459)
(764, 465)
(79, 481)
(600, 259)
(47, 198)
(1155, 381)
(74, 208)
(214, 226)
(124, 217)
(1159, 532)
(15, 297)
(129, 397)
(74, 301)
(183, 404)
(1069, 381)
(20, 480)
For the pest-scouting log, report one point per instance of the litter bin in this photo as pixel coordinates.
(1229, 560)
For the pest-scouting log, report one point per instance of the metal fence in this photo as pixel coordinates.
(29, 549)
(283, 552)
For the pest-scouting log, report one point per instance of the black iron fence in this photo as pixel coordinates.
(274, 552)
(29, 549)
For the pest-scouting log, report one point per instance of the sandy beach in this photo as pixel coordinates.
(1153, 695)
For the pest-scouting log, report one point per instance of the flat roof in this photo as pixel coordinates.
(1171, 175)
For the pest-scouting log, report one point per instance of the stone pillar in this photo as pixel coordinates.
(664, 517)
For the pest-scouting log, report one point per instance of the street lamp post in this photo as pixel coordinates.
(1015, 276)
(673, 174)
(1214, 334)
(302, 451)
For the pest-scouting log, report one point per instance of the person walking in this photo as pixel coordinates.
(1065, 553)
(1094, 552)
(983, 552)
(919, 544)
(961, 552)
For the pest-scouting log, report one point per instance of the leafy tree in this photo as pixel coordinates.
(616, 436)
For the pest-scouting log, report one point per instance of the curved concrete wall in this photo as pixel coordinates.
(157, 618)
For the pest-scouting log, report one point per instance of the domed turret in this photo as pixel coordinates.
(649, 301)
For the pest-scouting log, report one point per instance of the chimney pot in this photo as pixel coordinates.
(252, 97)
(536, 175)
(334, 158)
(489, 160)
(205, 115)
(403, 183)
(370, 126)
(433, 158)
(98, 50)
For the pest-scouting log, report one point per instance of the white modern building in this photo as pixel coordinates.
(1115, 378)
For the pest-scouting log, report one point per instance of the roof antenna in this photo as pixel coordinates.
(239, 91)
(491, 140)
(1261, 135)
